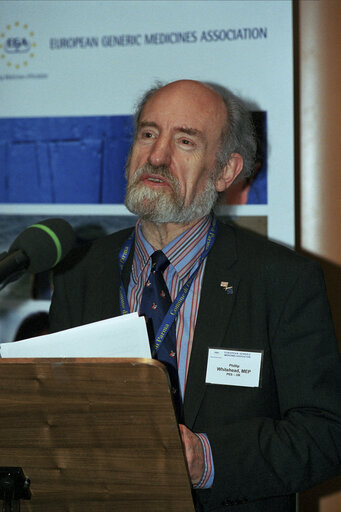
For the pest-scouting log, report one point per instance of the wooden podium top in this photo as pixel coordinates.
(93, 435)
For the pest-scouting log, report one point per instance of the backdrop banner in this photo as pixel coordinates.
(71, 73)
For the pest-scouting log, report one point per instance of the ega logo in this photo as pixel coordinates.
(17, 45)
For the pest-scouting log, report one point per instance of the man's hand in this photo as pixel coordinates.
(193, 453)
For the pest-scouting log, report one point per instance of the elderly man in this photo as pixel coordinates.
(227, 293)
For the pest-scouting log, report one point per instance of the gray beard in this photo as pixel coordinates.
(157, 206)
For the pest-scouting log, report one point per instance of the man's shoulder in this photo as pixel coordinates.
(96, 252)
(253, 248)
(265, 266)
(114, 240)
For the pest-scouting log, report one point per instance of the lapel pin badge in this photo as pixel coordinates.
(225, 285)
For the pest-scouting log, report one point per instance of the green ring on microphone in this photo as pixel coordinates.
(54, 237)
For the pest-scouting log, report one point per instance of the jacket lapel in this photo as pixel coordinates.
(215, 308)
(109, 278)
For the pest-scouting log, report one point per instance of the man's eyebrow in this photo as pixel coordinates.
(179, 129)
(189, 131)
(144, 124)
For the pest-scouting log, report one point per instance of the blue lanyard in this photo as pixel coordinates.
(122, 259)
(174, 308)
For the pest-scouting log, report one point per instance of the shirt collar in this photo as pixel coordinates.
(183, 252)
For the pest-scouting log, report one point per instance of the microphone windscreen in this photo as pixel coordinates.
(45, 243)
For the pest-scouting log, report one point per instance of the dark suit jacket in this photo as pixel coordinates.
(267, 442)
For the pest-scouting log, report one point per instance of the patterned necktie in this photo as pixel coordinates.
(155, 303)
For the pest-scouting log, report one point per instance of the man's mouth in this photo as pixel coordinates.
(155, 180)
(150, 179)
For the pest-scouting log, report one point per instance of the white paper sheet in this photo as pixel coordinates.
(122, 336)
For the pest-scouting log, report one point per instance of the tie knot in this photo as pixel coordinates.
(159, 261)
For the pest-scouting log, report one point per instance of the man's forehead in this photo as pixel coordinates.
(189, 104)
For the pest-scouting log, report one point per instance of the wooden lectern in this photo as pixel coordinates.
(93, 435)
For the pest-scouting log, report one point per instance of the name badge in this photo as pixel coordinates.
(230, 367)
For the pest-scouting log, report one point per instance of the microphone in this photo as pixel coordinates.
(38, 248)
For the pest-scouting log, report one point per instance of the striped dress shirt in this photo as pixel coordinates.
(183, 254)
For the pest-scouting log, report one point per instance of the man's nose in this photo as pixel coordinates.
(160, 152)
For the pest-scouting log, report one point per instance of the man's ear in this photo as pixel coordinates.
(230, 172)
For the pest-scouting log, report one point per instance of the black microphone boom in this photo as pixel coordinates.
(38, 248)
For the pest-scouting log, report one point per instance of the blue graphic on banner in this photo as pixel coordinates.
(81, 160)
(64, 159)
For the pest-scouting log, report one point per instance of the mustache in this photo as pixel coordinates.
(161, 170)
